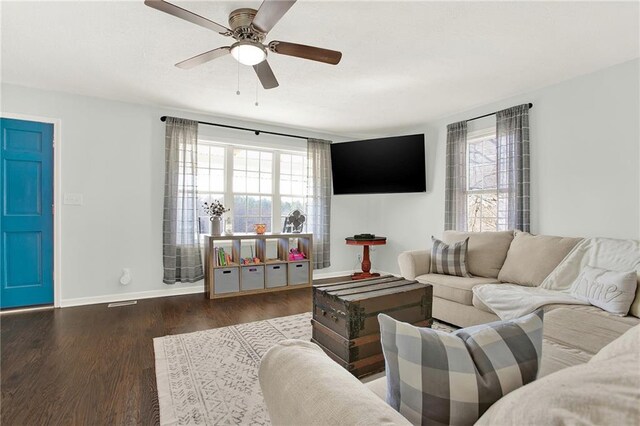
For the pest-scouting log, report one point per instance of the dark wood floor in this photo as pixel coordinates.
(94, 365)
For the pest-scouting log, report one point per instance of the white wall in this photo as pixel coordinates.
(113, 154)
(585, 150)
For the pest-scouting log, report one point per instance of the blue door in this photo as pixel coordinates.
(26, 220)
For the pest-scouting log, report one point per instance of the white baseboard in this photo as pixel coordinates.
(323, 275)
(121, 297)
(109, 298)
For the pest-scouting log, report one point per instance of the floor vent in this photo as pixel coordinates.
(118, 304)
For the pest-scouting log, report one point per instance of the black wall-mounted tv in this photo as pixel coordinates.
(379, 166)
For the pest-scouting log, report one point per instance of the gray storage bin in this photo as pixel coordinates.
(276, 275)
(226, 280)
(252, 277)
(299, 273)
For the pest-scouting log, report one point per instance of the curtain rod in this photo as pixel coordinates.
(256, 131)
(486, 115)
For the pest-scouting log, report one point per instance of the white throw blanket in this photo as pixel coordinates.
(510, 301)
(605, 253)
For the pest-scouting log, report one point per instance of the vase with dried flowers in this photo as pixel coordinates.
(215, 210)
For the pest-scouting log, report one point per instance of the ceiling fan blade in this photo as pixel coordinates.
(265, 75)
(307, 52)
(181, 13)
(203, 58)
(270, 13)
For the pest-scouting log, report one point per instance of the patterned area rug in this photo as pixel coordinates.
(211, 377)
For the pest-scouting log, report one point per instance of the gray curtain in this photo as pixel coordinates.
(319, 199)
(181, 247)
(513, 168)
(455, 216)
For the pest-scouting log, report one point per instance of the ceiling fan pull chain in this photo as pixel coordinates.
(257, 88)
(238, 91)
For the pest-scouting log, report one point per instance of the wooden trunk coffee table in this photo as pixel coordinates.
(345, 317)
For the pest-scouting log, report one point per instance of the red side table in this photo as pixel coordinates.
(366, 262)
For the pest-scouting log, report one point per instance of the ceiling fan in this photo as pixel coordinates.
(249, 28)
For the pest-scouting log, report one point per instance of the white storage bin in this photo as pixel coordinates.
(299, 272)
(276, 275)
(226, 280)
(252, 277)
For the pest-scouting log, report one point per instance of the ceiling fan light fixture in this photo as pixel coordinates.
(248, 52)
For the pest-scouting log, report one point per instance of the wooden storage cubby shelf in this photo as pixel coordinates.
(271, 274)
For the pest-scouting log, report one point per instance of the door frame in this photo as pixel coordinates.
(57, 197)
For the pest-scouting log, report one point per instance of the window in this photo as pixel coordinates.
(293, 183)
(482, 182)
(258, 185)
(211, 179)
(252, 189)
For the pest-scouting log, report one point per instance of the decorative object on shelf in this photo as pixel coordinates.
(228, 226)
(295, 254)
(294, 223)
(260, 228)
(215, 210)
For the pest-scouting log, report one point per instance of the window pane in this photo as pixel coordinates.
(239, 159)
(475, 154)
(266, 165)
(203, 156)
(489, 177)
(285, 184)
(203, 180)
(289, 204)
(297, 165)
(474, 178)
(239, 206)
(217, 157)
(474, 211)
(265, 206)
(253, 206)
(253, 182)
(296, 186)
(285, 164)
(217, 180)
(239, 181)
(239, 224)
(490, 150)
(265, 183)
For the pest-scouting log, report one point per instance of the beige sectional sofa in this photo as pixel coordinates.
(572, 333)
(589, 372)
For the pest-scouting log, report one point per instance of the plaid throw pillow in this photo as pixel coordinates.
(439, 378)
(449, 259)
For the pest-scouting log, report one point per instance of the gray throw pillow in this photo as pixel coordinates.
(612, 291)
(435, 377)
(449, 259)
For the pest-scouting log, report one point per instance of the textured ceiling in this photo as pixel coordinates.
(403, 63)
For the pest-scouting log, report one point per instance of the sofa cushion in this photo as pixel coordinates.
(629, 342)
(532, 257)
(573, 334)
(612, 291)
(585, 328)
(450, 259)
(456, 289)
(487, 250)
(442, 378)
(604, 391)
